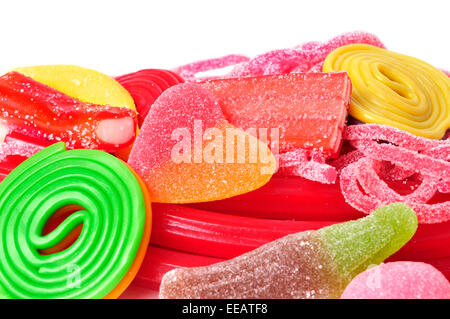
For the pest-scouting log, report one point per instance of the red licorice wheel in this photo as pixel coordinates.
(145, 86)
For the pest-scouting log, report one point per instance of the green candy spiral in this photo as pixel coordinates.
(113, 223)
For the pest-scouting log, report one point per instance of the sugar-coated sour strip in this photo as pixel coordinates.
(189, 71)
(113, 219)
(307, 110)
(314, 264)
(304, 58)
(391, 134)
(355, 174)
(35, 110)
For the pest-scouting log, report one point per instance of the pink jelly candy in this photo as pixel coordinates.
(399, 280)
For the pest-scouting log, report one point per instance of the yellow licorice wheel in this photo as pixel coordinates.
(394, 89)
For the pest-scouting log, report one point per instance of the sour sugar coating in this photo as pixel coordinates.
(399, 280)
(83, 84)
(187, 152)
(190, 70)
(309, 110)
(385, 153)
(312, 264)
(308, 57)
(34, 110)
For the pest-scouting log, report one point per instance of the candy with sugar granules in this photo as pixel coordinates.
(394, 89)
(86, 85)
(307, 57)
(297, 163)
(145, 86)
(14, 150)
(190, 70)
(113, 216)
(188, 152)
(308, 109)
(387, 154)
(32, 109)
(399, 280)
(313, 264)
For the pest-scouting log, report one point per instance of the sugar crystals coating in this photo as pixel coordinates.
(386, 152)
(187, 152)
(399, 280)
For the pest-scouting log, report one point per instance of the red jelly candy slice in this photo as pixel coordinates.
(35, 110)
(309, 109)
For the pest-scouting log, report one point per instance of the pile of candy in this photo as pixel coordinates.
(253, 184)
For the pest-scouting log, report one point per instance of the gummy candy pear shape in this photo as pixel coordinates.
(311, 264)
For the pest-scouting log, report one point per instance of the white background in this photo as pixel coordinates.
(118, 37)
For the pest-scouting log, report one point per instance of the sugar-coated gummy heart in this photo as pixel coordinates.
(399, 280)
(314, 264)
(35, 110)
(308, 109)
(113, 221)
(145, 86)
(186, 151)
(394, 89)
(86, 85)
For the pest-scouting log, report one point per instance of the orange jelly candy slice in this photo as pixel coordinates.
(187, 152)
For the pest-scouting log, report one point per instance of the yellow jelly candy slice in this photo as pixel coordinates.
(394, 89)
(83, 84)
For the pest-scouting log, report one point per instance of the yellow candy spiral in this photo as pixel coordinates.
(394, 89)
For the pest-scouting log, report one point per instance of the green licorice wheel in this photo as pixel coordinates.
(113, 222)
